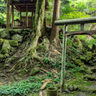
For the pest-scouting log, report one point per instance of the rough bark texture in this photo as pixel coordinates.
(8, 14)
(27, 50)
(56, 13)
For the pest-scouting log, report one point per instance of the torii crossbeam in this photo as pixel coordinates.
(65, 23)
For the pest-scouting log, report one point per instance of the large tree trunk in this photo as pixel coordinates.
(56, 13)
(28, 49)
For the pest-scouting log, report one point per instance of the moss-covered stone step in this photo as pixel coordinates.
(90, 77)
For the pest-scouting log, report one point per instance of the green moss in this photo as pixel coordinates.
(13, 43)
(90, 77)
(17, 37)
(34, 71)
(88, 55)
(4, 33)
(82, 57)
(79, 62)
(5, 47)
(1, 41)
(1, 56)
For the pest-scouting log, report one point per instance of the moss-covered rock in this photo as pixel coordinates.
(4, 33)
(5, 47)
(13, 43)
(90, 77)
(34, 71)
(17, 37)
(1, 41)
(77, 43)
(79, 62)
(88, 55)
(82, 57)
(15, 31)
(1, 56)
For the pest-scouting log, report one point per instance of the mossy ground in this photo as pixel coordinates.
(78, 69)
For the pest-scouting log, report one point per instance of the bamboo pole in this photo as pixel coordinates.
(12, 16)
(63, 59)
(8, 14)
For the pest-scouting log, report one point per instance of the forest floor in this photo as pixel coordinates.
(80, 81)
(76, 86)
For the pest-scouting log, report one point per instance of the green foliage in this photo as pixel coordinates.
(23, 87)
(72, 68)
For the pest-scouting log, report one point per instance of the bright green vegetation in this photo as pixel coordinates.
(32, 84)
(81, 55)
(24, 87)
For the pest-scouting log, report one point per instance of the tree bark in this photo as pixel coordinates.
(27, 50)
(8, 14)
(56, 14)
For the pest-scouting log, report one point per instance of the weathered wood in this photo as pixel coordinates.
(81, 33)
(20, 16)
(27, 16)
(76, 21)
(8, 14)
(82, 27)
(56, 15)
(63, 59)
(12, 16)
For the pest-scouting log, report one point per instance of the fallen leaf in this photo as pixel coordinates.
(45, 83)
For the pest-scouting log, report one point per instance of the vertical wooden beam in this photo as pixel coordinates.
(82, 27)
(32, 15)
(63, 59)
(8, 14)
(26, 16)
(20, 16)
(12, 16)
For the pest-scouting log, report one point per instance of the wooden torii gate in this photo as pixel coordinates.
(65, 23)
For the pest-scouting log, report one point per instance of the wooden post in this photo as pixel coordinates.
(82, 27)
(32, 15)
(8, 14)
(63, 59)
(27, 16)
(12, 16)
(20, 16)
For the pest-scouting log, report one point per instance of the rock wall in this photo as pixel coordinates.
(10, 41)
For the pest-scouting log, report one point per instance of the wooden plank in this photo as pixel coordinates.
(12, 16)
(81, 33)
(27, 16)
(8, 14)
(24, 4)
(20, 16)
(76, 21)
